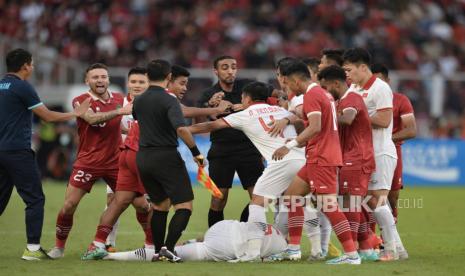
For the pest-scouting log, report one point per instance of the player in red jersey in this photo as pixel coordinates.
(357, 154)
(404, 128)
(129, 188)
(323, 153)
(99, 141)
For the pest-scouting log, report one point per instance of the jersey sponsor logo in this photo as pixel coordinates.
(5, 85)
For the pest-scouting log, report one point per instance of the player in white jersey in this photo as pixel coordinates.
(137, 84)
(378, 97)
(254, 121)
(224, 241)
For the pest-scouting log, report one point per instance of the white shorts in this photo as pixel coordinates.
(109, 190)
(381, 179)
(277, 177)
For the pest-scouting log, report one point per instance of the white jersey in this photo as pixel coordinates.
(377, 96)
(127, 120)
(295, 102)
(254, 122)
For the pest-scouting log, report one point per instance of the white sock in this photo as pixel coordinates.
(149, 246)
(256, 227)
(325, 229)
(281, 222)
(99, 244)
(33, 246)
(387, 225)
(399, 244)
(312, 228)
(141, 254)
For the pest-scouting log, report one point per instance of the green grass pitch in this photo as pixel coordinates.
(432, 231)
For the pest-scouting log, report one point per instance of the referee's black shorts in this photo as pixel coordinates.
(164, 175)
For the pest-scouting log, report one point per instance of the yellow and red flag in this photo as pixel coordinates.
(208, 183)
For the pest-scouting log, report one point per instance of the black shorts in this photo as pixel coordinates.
(249, 169)
(164, 175)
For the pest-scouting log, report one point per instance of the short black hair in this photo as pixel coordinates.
(96, 66)
(332, 73)
(357, 56)
(258, 91)
(220, 58)
(296, 68)
(178, 71)
(380, 68)
(137, 71)
(285, 61)
(334, 55)
(158, 70)
(16, 58)
(312, 62)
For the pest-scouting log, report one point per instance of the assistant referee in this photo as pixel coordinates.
(160, 165)
(18, 167)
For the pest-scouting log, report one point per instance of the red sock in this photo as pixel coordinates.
(295, 224)
(63, 227)
(102, 233)
(342, 229)
(370, 220)
(143, 218)
(364, 242)
(354, 222)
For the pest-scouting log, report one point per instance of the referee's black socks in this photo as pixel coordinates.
(158, 224)
(245, 214)
(177, 225)
(214, 217)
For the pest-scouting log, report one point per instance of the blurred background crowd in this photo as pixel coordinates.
(424, 37)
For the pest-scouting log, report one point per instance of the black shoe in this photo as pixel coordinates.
(166, 255)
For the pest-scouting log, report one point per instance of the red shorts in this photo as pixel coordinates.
(397, 178)
(128, 175)
(84, 178)
(322, 180)
(353, 181)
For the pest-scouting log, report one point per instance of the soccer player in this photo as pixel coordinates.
(323, 153)
(18, 167)
(231, 151)
(99, 133)
(137, 84)
(295, 103)
(161, 168)
(312, 65)
(404, 128)
(377, 96)
(331, 57)
(224, 241)
(129, 188)
(253, 121)
(357, 154)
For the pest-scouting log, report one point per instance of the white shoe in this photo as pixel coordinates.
(317, 257)
(403, 254)
(246, 259)
(345, 259)
(293, 254)
(56, 253)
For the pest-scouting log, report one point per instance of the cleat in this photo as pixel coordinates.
(56, 253)
(317, 257)
(37, 255)
(110, 248)
(388, 256)
(94, 253)
(292, 254)
(274, 257)
(345, 259)
(156, 257)
(369, 256)
(333, 251)
(166, 255)
(403, 255)
(246, 259)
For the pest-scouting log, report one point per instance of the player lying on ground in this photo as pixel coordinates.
(253, 121)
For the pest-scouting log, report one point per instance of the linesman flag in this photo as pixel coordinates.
(208, 183)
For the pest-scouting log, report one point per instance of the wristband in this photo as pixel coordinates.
(195, 151)
(291, 144)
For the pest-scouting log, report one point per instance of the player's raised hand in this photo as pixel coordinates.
(125, 110)
(277, 127)
(237, 107)
(280, 153)
(223, 106)
(82, 108)
(200, 160)
(216, 98)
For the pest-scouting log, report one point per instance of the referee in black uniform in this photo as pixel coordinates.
(231, 151)
(18, 167)
(160, 165)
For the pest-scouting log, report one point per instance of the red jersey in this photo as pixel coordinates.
(401, 106)
(324, 148)
(356, 139)
(132, 140)
(99, 144)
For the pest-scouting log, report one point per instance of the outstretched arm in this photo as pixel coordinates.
(93, 118)
(52, 116)
(208, 126)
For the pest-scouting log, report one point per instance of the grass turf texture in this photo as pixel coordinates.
(432, 234)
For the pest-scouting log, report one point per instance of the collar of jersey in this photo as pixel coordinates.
(368, 84)
(98, 99)
(255, 103)
(311, 85)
